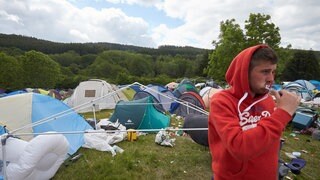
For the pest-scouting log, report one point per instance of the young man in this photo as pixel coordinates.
(245, 124)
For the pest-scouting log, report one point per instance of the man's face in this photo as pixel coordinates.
(261, 76)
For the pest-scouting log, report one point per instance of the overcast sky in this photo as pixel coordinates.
(151, 23)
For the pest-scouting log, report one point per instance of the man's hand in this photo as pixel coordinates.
(286, 100)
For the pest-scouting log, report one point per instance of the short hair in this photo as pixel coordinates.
(263, 54)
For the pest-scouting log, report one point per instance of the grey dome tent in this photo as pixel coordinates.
(302, 88)
(144, 94)
(161, 95)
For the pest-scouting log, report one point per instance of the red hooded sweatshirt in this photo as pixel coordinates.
(244, 131)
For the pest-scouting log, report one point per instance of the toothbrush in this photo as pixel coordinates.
(268, 87)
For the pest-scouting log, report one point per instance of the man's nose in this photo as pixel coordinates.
(271, 76)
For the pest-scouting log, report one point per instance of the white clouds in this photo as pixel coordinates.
(59, 20)
(299, 23)
(298, 20)
(139, 2)
(78, 35)
(4, 16)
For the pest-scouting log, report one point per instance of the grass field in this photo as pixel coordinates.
(310, 152)
(144, 159)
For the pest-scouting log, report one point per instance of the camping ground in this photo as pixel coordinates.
(144, 159)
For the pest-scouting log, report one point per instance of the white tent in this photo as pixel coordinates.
(94, 94)
(206, 94)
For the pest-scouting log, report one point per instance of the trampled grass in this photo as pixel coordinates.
(142, 159)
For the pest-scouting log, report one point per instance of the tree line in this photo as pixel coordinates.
(30, 62)
(66, 70)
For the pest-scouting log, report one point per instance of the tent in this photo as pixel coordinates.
(207, 93)
(212, 83)
(144, 94)
(15, 92)
(308, 85)
(276, 87)
(139, 114)
(188, 103)
(2, 92)
(39, 90)
(197, 121)
(204, 90)
(171, 86)
(19, 112)
(55, 93)
(184, 86)
(303, 88)
(94, 93)
(134, 87)
(316, 83)
(162, 95)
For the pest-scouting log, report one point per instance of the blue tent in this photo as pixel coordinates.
(308, 85)
(303, 88)
(16, 92)
(162, 95)
(277, 87)
(316, 83)
(20, 112)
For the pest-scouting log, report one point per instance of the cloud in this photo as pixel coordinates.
(61, 21)
(298, 20)
(4, 16)
(139, 2)
(299, 23)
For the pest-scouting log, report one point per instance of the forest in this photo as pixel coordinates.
(31, 62)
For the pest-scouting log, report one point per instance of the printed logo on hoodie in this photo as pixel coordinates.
(248, 121)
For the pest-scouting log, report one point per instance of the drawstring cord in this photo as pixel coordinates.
(249, 107)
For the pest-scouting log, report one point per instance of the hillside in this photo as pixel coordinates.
(26, 43)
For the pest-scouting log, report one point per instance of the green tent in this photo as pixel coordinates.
(139, 114)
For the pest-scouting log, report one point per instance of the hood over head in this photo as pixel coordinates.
(237, 75)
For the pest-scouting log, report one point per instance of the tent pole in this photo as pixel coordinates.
(94, 116)
(188, 108)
